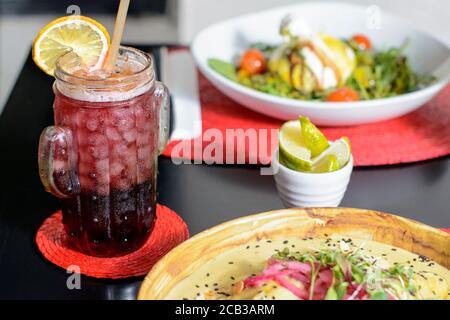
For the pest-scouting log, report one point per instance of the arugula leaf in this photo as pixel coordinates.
(344, 264)
(378, 295)
(385, 73)
(357, 274)
(228, 70)
(341, 290)
(331, 294)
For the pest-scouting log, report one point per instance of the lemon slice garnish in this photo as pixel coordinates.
(82, 35)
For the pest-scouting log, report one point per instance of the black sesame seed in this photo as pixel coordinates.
(285, 241)
(230, 262)
(207, 274)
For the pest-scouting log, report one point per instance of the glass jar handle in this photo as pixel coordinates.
(162, 94)
(56, 163)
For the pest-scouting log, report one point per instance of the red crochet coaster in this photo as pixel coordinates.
(169, 231)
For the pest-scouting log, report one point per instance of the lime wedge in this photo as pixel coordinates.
(340, 151)
(314, 140)
(293, 152)
(328, 163)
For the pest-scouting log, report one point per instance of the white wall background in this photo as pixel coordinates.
(186, 18)
(428, 15)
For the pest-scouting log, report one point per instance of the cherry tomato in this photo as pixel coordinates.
(343, 95)
(362, 41)
(253, 61)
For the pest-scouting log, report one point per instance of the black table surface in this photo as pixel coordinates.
(203, 195)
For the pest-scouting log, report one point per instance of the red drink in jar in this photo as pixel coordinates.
(100, 158)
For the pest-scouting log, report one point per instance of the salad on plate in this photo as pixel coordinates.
(319, 66)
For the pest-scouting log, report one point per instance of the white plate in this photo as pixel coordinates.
(226, 39)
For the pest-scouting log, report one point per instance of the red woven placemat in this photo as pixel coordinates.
(169, 231)
(421, 135)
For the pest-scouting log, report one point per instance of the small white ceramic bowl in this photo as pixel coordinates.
(302, 189)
